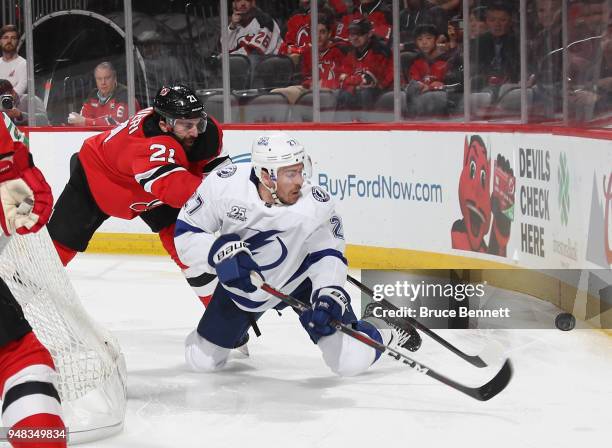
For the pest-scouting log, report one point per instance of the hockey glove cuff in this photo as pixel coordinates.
(328, 305)
(26, 201)
(233, 262)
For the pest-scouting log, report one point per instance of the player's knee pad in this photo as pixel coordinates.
(29, 390)
(202, 355)
(346, 356)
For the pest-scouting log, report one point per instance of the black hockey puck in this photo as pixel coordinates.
(565, 321)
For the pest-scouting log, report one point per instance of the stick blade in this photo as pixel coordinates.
(497, 383)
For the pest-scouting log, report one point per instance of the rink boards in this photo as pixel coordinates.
(397, 190)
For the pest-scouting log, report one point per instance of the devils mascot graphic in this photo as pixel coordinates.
(479, 206)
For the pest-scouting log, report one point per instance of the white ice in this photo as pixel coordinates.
(283, 395)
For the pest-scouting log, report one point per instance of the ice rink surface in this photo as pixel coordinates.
(283, 395)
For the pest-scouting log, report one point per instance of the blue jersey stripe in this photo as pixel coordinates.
(183, 227)
(247, 303)
(314, 258)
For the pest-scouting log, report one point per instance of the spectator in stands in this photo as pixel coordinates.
(415, 13)
(16, 107)
(587, 24)
(495, 54)
(107, 104)
(478, 22)
(376, 11)
(454, 30)
(546, 59)
(454, 75)
(427, 73)
(604, 83)
(297, 37)
(367, 68)
(591, 79)
(162, 65)
(12, 66)
(330, 63)
(252, 32)
(450, 7)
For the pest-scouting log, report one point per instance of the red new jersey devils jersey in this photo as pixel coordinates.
(330, 65)
(108, 113)
(374, 63)
(380, 16)
(129, 173)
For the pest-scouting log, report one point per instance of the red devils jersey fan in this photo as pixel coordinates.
(112, 110)
(107, 104)
(297, 38)
(376, 11)
(147, 167)
(368, 64)
(29, 398)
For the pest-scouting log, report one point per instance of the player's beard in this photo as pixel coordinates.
(291, 197)
(186, 142)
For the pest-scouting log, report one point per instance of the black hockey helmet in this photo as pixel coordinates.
(178, 101)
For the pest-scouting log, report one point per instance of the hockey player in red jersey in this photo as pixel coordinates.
(147, 167)
(29, 398)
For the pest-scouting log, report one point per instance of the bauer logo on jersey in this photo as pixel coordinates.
(263, 141)
(228, 171)
(320, 194)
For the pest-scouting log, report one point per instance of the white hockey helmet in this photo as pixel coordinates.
(277, 150)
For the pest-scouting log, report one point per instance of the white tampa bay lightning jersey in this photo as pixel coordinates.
(289, 243)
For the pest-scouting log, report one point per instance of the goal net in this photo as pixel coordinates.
(91, 375)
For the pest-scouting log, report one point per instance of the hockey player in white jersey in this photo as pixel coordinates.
(269, 219)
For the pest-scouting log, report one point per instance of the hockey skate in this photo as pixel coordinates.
(242, 347)
(403, 335)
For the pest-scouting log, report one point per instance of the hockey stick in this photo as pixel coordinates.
(475, 360)
(482, 393)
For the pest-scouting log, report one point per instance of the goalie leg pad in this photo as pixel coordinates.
(202, 355)
(346, 356)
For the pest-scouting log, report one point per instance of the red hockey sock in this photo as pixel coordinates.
(205, 299)
(31, 402)
(49, 427)
(65, 253)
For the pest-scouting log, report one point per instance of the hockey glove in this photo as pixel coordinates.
(328, 304)
(26, 201)
(233, 262)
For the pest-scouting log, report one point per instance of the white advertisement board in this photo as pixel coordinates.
(532, 200)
